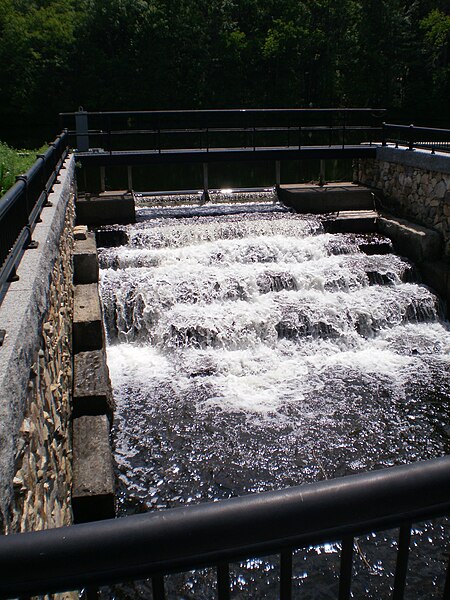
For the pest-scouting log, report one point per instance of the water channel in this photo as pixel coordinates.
(250, 350)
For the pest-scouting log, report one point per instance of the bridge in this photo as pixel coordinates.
(408, 170)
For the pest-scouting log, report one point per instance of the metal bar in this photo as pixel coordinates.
(141, 545)
(223, 581)
(286, 575)
(130, 177)
(158, 590)
(277, 172)
(446, 595)
(401, 568)
(236, 111)
(345, 578)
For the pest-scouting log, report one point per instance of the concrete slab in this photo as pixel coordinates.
(324, 199)
(87, 319)
(417, 243)
(106, 209)
(92, 393)
(93, 476)
(418, 158)
(85, 261)
(357, 221)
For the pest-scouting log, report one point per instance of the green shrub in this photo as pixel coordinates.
(12, 163)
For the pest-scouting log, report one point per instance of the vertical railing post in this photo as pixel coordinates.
(223, 581)
(158, 587)
(286, 575)
(277, 173)
(411, 137)
(130, 177)
(401, 569)
(82, 130)
(383, 134)
(345, 578)
(343, 129)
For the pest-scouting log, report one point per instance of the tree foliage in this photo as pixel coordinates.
(161, 54)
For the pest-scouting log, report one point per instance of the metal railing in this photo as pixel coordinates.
(252, 129)
(214, 534)
(413, 137)
(21, 206)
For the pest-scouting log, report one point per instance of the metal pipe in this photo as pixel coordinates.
(139, 546)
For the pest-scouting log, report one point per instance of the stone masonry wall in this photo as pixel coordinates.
(42, 482)
(420, 194)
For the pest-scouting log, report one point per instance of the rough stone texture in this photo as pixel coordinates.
(35, 374)
(85, 261)
(93, 476)
(92, 394)
(414, 184)
(87, 319)
(416, 242)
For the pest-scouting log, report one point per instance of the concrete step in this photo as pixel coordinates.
(332, 197)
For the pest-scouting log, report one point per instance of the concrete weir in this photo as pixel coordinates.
(93, 490)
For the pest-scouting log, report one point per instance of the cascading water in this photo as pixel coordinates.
(249, 350)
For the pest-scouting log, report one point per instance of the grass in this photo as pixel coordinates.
(12, 163)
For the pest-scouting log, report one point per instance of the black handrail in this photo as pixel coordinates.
(415, 137)
(161, 126)
(21, 206)
(153, 544)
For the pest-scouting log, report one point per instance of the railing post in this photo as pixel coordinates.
(286, 575)
(223, 581)
(345, 578)
(383, 134)
(401, 568)
(411, 137)
(277, 173)
(82, 130)
(130, 177)
(205, 195)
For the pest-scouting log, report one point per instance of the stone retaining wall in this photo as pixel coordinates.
(36, 373)
(414, 184)
(43, 477)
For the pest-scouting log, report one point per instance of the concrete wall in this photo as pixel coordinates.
(36, 374)
(414, 184)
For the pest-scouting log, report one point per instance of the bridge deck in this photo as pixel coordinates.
(203, 155)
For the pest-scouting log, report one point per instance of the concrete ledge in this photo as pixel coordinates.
(85, 262)
(413, 241)
(87, 319)
(21, 315)
(107, 208)
(324, 199)
(92, 393)
(419, 159)
(93, 476)
(357, 221)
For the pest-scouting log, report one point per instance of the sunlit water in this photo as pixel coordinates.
(249, 350)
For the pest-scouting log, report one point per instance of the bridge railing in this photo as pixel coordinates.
(160, 131)
(21, 206)
(413, 137)
(214, 534)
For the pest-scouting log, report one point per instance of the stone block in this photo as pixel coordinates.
(87, 319)
(93, 476)
(436, 274)
(80, 232)
(85, 260)
(106, 209)
(418, 243)
(324, 199)
(92, 393)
